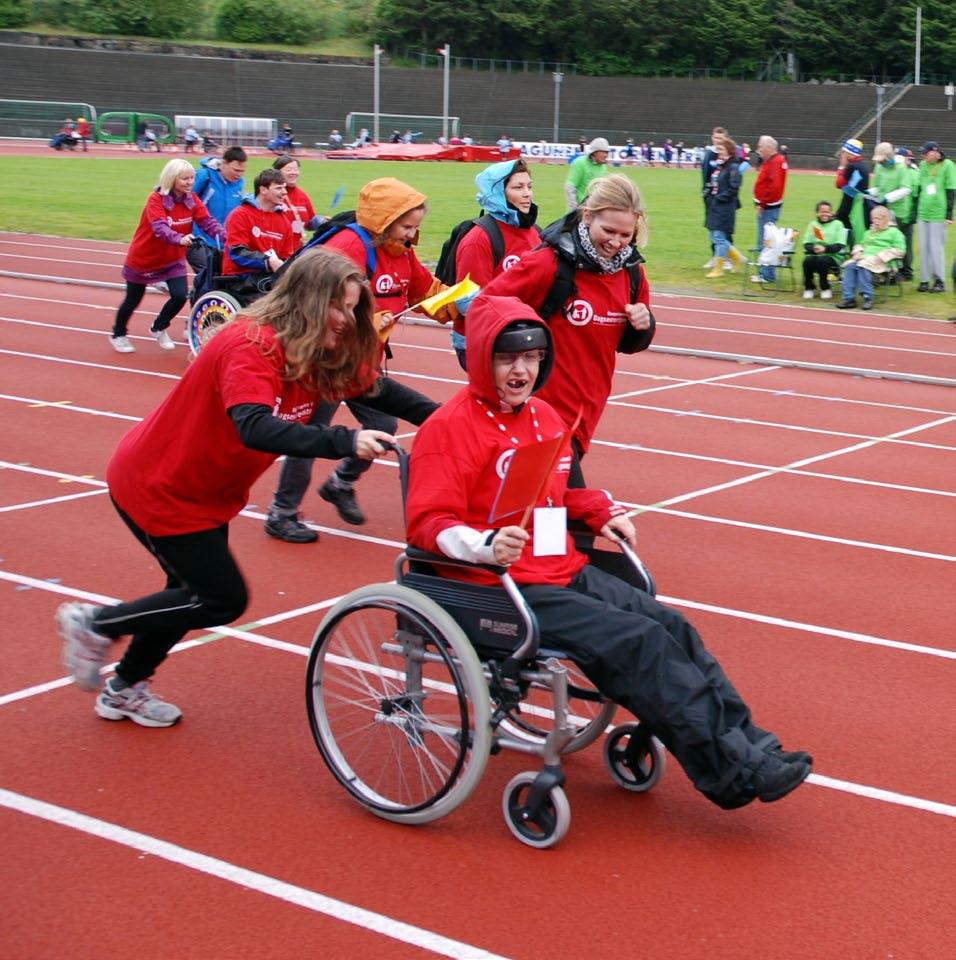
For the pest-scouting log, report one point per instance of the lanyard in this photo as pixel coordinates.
(493, 417)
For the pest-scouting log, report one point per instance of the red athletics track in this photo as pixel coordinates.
(804, 520)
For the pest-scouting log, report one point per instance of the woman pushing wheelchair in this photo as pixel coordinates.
(645, 656)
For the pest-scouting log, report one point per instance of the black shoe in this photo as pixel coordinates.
(923, 287)
(846, 304)
(343, 499)
(733, 801)
(938, 287)
(290, 529)
(791, 756)
(774, 779)
(867, 305)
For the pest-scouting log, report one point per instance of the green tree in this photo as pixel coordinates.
(15, 13)
(249, 21)
(146, 18)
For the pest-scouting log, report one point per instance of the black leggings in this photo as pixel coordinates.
(204, 588)
(178, 294)
(819, 265)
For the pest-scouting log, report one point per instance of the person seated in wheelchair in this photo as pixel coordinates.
(639, 653)
(881, 245)
(259, 234)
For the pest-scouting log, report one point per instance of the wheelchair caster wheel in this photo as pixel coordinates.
(546, 826)
(634, 758)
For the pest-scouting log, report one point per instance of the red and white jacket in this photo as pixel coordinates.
(459, 460)
(165, 220)
(771, 182)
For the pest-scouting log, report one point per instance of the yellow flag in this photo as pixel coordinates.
(461, 289)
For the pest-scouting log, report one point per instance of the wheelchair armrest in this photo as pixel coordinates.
(440, 560)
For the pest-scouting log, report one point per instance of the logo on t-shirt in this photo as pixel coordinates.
(256, 232)
(501, 467)
(579, 313)
(509, 261)
(384, 284)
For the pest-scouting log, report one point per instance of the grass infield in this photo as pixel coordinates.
(101, 198)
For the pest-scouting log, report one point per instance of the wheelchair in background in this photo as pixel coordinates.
(412, 685)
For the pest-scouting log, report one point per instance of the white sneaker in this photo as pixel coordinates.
(826, 294)
(84, 650)
(163, 339)
(808, 294)
(728, 266)
(122, 345)
(756, 278)
(136, 703)
(709, 265)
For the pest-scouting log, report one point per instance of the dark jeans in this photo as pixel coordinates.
(906, 270)
(178, 294)
(204, 588)
(649, 659)
(296, 472)
(818, 265)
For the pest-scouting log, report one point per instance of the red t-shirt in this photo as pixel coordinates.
(183, 469)
(298, 210)
(474, 257)
(398, 281)
(147, 251)
(248, 226)
(585, 334)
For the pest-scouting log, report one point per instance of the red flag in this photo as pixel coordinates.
(818, 233)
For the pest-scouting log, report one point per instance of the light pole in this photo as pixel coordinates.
(919, 43)
(376, 86)
(880, 90)
(445, 51)
(558, 77)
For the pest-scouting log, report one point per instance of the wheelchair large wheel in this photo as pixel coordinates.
(635, 759)
(210, 311)
(398, 703)
(590, 713)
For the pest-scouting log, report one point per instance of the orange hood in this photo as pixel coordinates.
(383, 201)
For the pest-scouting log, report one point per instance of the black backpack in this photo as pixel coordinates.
(562, 287)
(445, 270)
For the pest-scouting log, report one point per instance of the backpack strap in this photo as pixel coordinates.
(362, 234)
(562, 288)
(490, 225)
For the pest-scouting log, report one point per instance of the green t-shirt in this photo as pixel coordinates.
(832, 232)
(888, 178)
(582, 172)
(876, 241)
(934, 180)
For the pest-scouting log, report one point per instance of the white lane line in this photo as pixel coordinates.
(637, 509)
(86, 363)
(810, 321)
(812, 340)
(56, 474)
(58, 262)
(52, 500)
(338, 910)
(686, 383)
(776, 425)
(746, 464)
(65, 246)
(887, 796)
(67, 405)
(763, 474)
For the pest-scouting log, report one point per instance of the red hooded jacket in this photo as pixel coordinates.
(460, 453)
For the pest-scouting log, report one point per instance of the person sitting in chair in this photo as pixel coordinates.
(636, 651)
(882, 244)
(259, 236)
(824, 243)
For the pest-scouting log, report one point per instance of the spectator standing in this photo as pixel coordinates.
(504, 144)
(629, 153)
(853, 180)
(83, 132)
(335, 139)
(707, 162)
(259, 237)
(824, 246)
(219, 184)
(934, 213)
(298, 206)
(156, 252)
(892, 187)
(590, 166)
(722, 198)
(881, 244)
(769, 189)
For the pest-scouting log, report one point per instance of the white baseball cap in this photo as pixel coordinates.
(596, 145)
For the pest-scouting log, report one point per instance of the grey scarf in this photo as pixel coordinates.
(617, 262)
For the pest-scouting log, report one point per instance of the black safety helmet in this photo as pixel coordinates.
(521, 335)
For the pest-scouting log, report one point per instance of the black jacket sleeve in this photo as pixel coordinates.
(260, 430)
(400, 401)
(633, 341)
(950, 197)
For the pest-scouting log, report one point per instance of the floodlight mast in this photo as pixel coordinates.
(376, 87)
(445, 51)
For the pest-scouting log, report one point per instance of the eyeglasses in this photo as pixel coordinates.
(528, 356)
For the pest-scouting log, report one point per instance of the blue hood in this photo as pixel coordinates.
(491, 192)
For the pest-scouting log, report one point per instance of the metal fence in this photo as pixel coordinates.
(40, 118)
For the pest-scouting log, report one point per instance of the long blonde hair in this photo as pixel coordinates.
(617, 192)
(297, 309)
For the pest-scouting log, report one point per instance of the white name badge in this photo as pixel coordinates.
(550, 531)
(931, 190)
(298, 226)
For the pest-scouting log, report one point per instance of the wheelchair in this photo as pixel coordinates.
(412, 685)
